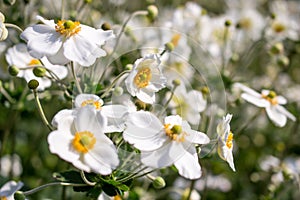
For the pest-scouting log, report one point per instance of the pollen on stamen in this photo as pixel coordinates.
(229, 140)
(94, 103)
(83, 141)
(143, 77)
(67, 27)
(34, 62)
(175, 133)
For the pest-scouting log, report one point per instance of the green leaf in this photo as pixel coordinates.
(71, 176)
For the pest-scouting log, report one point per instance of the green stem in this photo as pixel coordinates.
(75, 78)
(85, 179)
(6, 95)
(13, 26)
(133, 175)
(29, 192)
(114, 82)
(191, 189)
(41, 111)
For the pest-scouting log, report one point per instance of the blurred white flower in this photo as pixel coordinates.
(8, 190)
(188, 104)
(270, 101)
(80, 139)
(165, 144)
(269, 163)
(146, 78)
(65, 41)
(11, 164)
(19, 57)
(225, 140)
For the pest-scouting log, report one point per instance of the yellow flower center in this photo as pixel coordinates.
(278, 27)
(229, 140)
(83, 141)
(271, 97)
(92, 102)
(246, 23)
(67, 27)
(175, 133)
(175, 39)
(34, 62)
(117, 197)
(3, 198)
(143, 77)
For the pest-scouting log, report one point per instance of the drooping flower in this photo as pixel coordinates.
(65, 41)
(80, 139)
(19, 57)
(270, 101)
(145, 78)
(8, 190)
(225, 141)
(162, 145)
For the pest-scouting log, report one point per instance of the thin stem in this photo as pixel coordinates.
(75, 78)
(13, 26)
(133, 175)
(41, 111)
(191, 189)
(32, 191)
(86, 180)
(6, 95)
(114, 82)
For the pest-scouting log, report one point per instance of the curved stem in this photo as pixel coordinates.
(114, 82)
(13, 26)
(86, 180)
(41, 111)
(52, 184)
(6, 95)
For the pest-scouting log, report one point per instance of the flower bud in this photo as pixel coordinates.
(277, 48)
(33, 84)
(227, 23)
(88, 1)
(159, 183)
(283, 61)
(176, 82)
(13, 70)
(118, 91)
(205, 90)
(106, 26)
(152, 12)
(39, 71)
(169, 46)
(128, 67)
(19, 196)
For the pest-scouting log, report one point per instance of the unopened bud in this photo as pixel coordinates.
(39, 71)
(13, 70)
(128, 67)
(283, 61)
(9, 2)
(88, 1)
(118, 91)
(106, 26)
(176, 82)
(33, 84)
(227, 23)
(169, 46)
(159, 183)
(19, 196)
(205, 90)
(234, 58)
(277, 48)
(273, 16)
(152, 12)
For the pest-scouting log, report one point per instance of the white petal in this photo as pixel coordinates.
(196, 100)
(225, 153)
(86, 97)
(97, 36)
(285, 112)
(18, 56)
(188, 166)
(146, 96)
(276, 116)
(281, 100)
(197, 137)
(59, 70)
(247, 90)
(258, 101)
(9, 188)
(63, 119)
(114, 111)
(58, 58)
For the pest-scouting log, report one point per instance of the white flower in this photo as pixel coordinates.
(80, 139)
(162, 145)
(225, 144)
(270, 101)
(145, 78)
(19, 57)
(115, 114)
(188, 104)
(65, 41)
(3, 30)
(8, 190)
(11, 164)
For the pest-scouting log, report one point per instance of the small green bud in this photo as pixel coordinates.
(205, 90)
(39, 71)
(273, 16)
(33, 84)
(13, 70)
(234, 58)
(272, 94)
(277, 48)
(283, 61)
(19, 196)
(118, 91)
(159, 183)
(169, 46)
(106, 26)
(68, 24)
(9, 2)
(152, 12)
(227, 23)
(128, 67)
(176, 82)
(88, 1)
